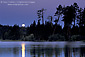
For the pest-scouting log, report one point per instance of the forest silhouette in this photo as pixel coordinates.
(74, 26)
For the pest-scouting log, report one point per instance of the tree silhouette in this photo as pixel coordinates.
(32, 28)
(81, 21)
(15, 34)
(75, 8)
(51, 18)
(40, 14)
(58, 14)
(69, 15)
(79, 17)
(83, 17)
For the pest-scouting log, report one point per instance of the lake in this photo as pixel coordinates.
(42, 49)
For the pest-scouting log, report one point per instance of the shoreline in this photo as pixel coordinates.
(36, 41)
(59, 44)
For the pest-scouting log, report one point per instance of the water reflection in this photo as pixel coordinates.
(16, 51)
(56, 52)
(82, 51)
(23, 50)
(26, 50)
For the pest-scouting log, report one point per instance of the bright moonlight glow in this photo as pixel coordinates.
(23, 25)
(23, 50)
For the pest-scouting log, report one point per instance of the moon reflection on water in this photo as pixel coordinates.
(23, 50)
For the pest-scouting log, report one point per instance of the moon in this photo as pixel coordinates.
(23, 25)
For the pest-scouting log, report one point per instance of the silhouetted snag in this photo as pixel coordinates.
(40, 14)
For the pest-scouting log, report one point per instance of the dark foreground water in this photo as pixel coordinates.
(42, 49)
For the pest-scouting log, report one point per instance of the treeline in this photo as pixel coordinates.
(74, 26)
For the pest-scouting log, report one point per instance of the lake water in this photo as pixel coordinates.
(42, 49)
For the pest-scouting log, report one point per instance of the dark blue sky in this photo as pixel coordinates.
(10, 15)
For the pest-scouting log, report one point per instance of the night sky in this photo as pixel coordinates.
(13, 14)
